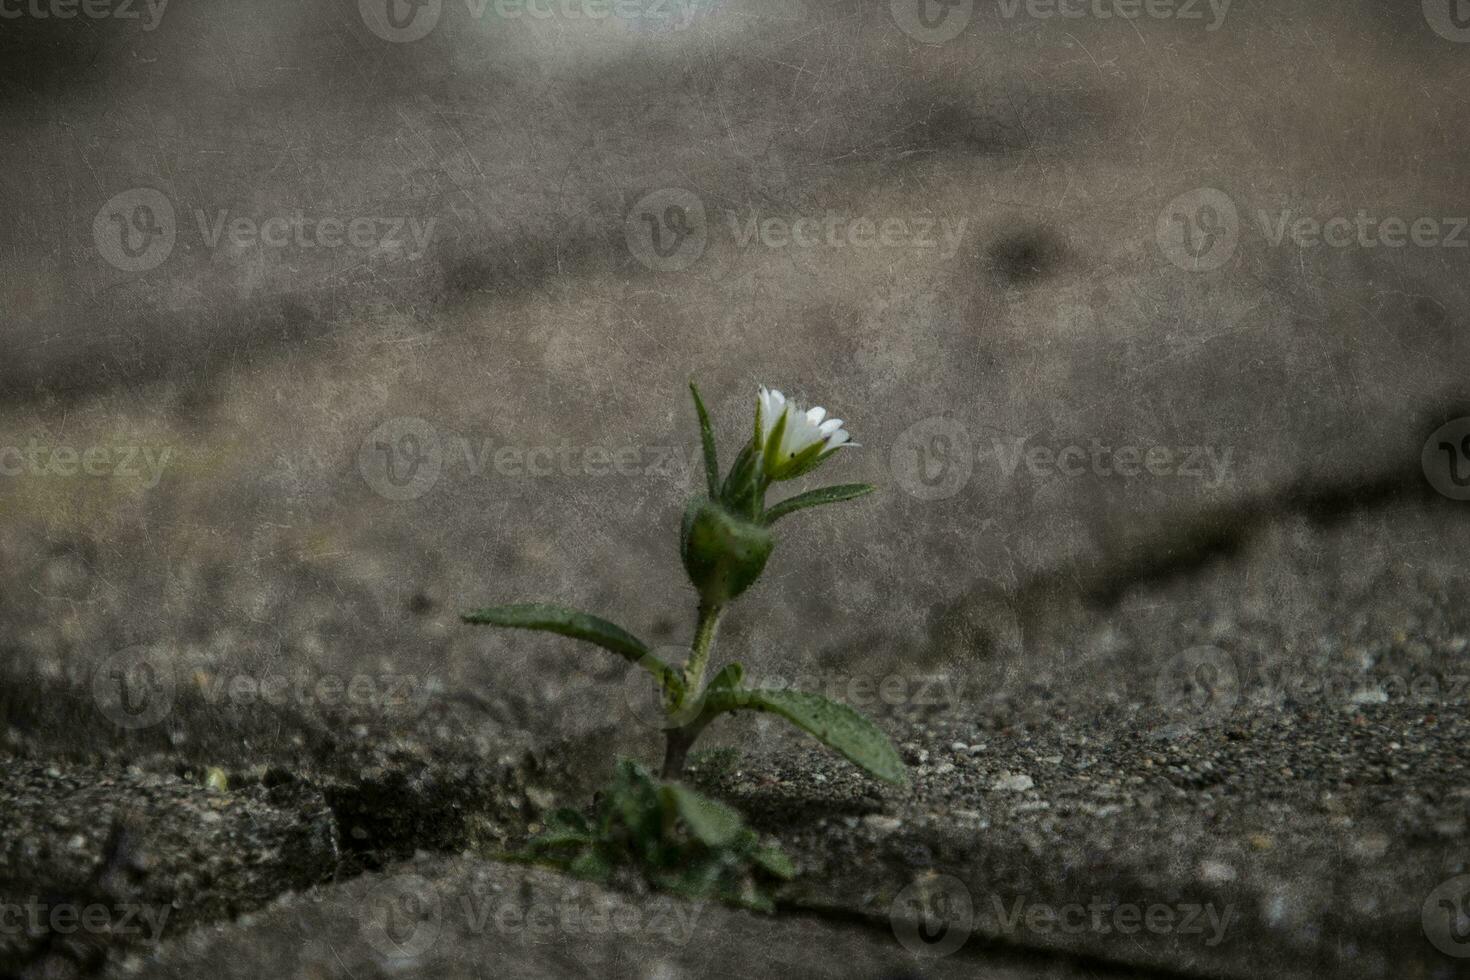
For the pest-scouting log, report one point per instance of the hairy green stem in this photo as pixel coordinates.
(678, 740)
(704, 641)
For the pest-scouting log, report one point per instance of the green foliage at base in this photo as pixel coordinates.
(679, 840)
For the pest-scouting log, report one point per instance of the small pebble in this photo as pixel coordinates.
(1216, 872)
(1008, 782)
(882, 823)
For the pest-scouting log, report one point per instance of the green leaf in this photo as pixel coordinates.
(566, 820)
(591, 865)
(707, 437)
(711, 822)
(632, 800)
(834, 725)
(815, 498)
(774, 862)
(579, 626)
(558, 839)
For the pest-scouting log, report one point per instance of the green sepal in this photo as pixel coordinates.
(743, 492)
(771, 447)
(707, 439)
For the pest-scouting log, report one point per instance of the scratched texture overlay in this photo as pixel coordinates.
(322, 323)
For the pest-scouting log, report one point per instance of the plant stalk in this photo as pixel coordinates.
(676, 751)
(678, 740)
(704, 641)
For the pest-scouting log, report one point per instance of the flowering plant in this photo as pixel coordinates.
(725, 541)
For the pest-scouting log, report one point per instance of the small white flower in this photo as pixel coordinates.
(794, 441)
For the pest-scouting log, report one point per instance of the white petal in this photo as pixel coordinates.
(815, 415)
(830, 426)
(837, 439)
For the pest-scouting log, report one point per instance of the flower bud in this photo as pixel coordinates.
(722, 553)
